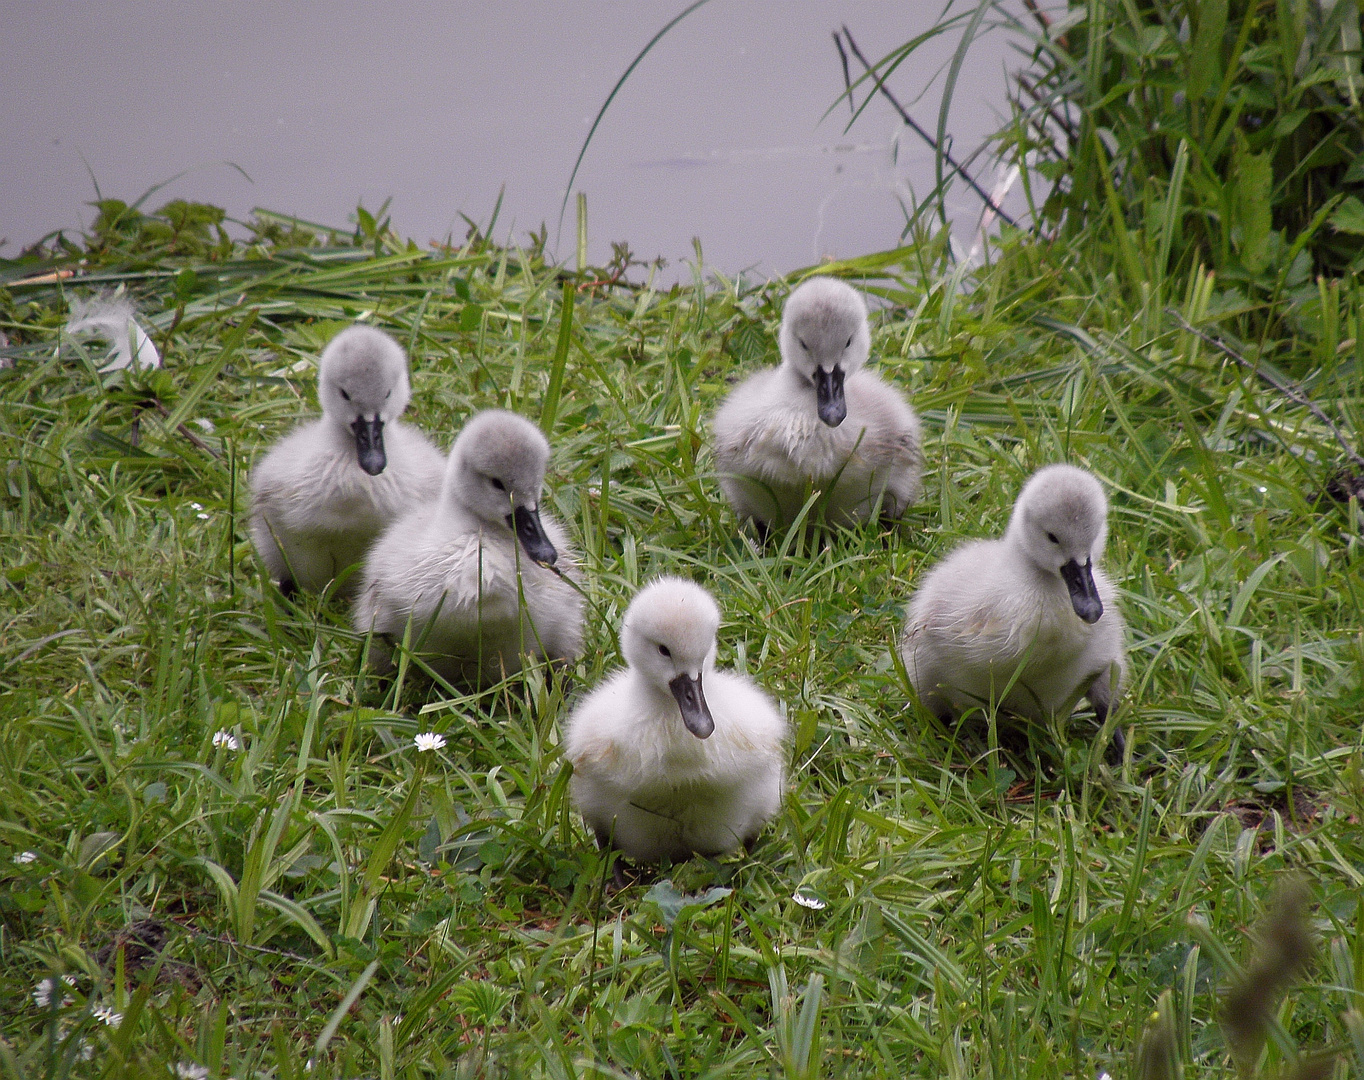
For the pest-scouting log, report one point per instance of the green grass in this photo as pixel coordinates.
(999, 903)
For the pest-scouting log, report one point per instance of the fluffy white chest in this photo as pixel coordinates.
(795, 446)
(1034, 642)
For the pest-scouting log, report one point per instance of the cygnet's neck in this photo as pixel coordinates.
(1028, 568)
(795, 381)
(660, 695)
(341, 438)
(337, 426)
(457, 517)
(662, 718)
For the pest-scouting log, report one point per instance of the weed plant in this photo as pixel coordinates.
(1224, 132)
(218, 826)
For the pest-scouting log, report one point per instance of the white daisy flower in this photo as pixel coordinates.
(188, 1070)
(196, 506)
(108, 1016)
(26, 857)
(808, 900)
(45, 993)
(429, 741)
(227, 739)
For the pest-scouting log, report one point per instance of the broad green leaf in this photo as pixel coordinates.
(672, 903)
(1205, 54)
(1253, 186)
(1349, 216)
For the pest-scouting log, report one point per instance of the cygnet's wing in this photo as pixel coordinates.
(553, 600)
(892, 434)
(290, 463)
(747, 721)
(969, 591)
(598, 734)
(391, 571)
(417, 466)
(745, 420)
(957, 625)
(745, 766)
(1108, 636)
(568, 561)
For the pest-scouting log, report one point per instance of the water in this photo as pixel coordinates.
(719, 134)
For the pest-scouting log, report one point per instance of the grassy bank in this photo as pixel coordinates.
(325, 899)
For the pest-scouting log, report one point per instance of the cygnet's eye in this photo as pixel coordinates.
(849, 344)
(666, 651)
(802, 344)
(344, 394)
(497, 483)
(1052, 538)
(390, 393)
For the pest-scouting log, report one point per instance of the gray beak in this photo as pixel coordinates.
(695, 711)
(829, 395)
(526, 524)
(1084, 597)
(369, 444)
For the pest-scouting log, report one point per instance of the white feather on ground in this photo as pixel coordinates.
(114, 320)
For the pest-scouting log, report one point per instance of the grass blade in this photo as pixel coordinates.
(596, 120)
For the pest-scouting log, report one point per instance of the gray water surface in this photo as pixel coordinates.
(719, 133)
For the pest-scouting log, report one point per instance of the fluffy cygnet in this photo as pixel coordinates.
(474, 574)
(322, 494)
(818, 421)
(1033, 604)
(670, 756)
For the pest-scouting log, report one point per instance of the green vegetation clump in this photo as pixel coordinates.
(1223, 132)
(221, 853)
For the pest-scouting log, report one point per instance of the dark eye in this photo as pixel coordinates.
(849, 345)
(390, 393)
(803, 345)
(497, 483)
(665, 651)
(1052, 538)
(344, 394)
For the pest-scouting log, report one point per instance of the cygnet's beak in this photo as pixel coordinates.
(526, 524)
(369, 444)
(695, 711)
(829, 395)
(1084, 597)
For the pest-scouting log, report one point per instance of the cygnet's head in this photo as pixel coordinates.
(362, 383)
(668, 637)
(497, 471)
(824, 338)
(1060, 522)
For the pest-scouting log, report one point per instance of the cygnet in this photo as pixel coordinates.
(476, 581)
(322, 494)
(670, 756)
(1032, 609)
(818, 421)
